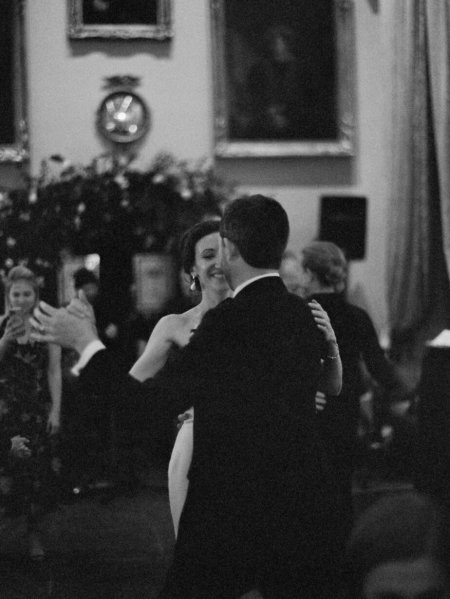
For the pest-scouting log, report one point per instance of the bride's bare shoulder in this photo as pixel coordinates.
(175, 325)
(187, 320)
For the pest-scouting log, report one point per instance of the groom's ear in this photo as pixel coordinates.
(230, 248)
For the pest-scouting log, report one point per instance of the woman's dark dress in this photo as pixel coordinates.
(358, 343)
(28, 485)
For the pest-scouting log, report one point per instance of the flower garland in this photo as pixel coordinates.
(106, 204)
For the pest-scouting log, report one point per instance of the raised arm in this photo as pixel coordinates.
(331, 375)
(100, 373)
(156, 351)
(171, 391)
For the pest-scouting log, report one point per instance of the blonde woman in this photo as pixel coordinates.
(30, 402)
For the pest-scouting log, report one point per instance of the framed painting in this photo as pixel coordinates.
(13, 121)
(283, 74)
(155, 281)
(120, 19)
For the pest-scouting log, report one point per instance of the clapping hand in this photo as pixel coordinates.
(19, 447)
(80, 306)
(72, 327)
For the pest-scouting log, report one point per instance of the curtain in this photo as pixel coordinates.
(408, 284)
(438, 24)
(420, 147)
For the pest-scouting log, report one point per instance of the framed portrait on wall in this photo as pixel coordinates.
(13, 123)
(283, 73)
(155, 281)
(120, 19)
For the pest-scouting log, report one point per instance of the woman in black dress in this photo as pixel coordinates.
(323, 278)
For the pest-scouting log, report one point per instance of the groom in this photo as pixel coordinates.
(261, 511)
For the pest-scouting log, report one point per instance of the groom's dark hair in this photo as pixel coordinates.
(259, 227)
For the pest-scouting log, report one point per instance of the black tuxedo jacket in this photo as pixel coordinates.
(261, 506)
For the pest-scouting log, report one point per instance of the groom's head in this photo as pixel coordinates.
(255, 230)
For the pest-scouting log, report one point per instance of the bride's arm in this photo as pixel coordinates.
(156, 350)
(331, 375)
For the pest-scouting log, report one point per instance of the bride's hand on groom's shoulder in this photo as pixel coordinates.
(322, 321)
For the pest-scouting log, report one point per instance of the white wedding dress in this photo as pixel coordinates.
(180, 462)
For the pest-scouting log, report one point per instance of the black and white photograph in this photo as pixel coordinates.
(224, 299)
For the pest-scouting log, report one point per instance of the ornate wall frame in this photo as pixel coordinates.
(160, 29)
(229, 144)
(15, 150)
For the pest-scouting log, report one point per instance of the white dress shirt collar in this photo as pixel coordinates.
(252, 280)
(92, 348)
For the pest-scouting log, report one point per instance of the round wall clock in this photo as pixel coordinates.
(123, 117)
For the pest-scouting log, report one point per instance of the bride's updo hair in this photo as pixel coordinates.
(190, 239)
(327, 261)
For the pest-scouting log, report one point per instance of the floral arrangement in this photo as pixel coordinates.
(104, 206)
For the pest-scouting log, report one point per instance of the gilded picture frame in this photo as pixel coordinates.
(120, 20)
(303, 107)
(13, 100)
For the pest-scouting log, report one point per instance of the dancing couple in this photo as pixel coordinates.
(262, 511)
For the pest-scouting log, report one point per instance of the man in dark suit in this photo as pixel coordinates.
(261, 511)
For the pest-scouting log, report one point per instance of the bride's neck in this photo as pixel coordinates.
(211, 300)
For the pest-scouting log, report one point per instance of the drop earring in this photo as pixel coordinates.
(193, 285)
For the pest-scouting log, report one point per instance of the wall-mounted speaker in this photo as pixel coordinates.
(343, 221)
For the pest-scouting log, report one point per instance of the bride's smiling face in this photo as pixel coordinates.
(207, 263)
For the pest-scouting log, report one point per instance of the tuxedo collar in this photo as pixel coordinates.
(261, 285)
(248, 282)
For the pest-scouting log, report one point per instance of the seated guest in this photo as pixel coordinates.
(400, 549)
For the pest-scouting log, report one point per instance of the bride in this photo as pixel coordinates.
(200, 260)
